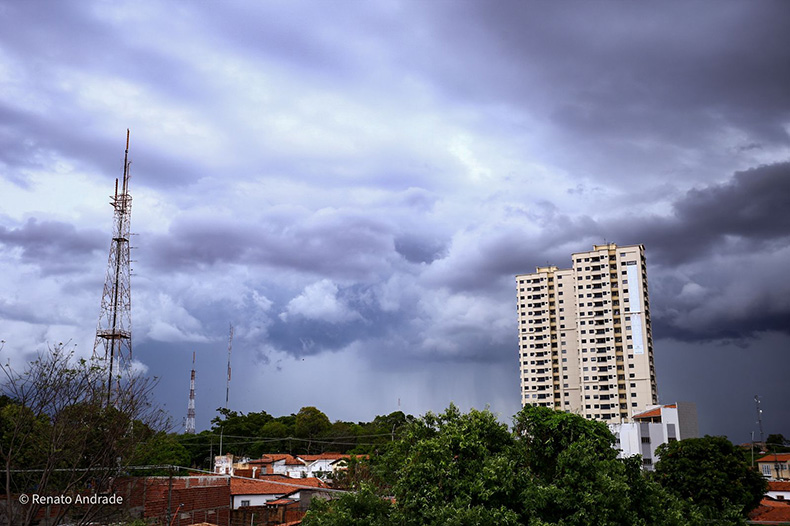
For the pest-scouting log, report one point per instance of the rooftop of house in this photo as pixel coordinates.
(282, 501)
(324, 456)
(653, 412)
(770, 511)
(775, 457)
(779, 485)
(272, 485)
(275, 457)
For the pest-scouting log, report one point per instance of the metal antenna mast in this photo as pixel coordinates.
(227, 385)
(760, 419)
(114, 331)
(190, 427)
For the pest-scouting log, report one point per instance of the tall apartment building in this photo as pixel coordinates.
(585, 343)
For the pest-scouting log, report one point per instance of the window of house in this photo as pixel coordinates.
(245, 503)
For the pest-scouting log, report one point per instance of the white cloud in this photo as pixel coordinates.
(319, 302)
(168, 321)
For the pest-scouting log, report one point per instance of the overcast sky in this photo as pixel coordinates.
(355, 184)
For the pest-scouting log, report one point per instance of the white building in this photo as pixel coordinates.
(659, 424)
(585, 339)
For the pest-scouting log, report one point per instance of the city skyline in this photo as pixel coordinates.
(354, 185)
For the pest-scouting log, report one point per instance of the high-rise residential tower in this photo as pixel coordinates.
(585, 342)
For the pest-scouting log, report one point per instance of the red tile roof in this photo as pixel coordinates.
(280, 501)
(271, 485)
(656, 411)
(324, 456)
(650, 413)
(771, 512)
(775, 457)
(779, 485)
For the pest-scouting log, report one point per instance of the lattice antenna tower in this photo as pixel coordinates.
(114, 331)
(190, 425)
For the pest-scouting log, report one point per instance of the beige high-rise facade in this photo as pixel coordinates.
(585, 342)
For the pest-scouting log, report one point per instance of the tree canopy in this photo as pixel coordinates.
(470, 469)
(58, 434)
(711, 474)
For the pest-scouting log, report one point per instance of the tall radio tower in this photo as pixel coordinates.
(114, 332)
(190, 427)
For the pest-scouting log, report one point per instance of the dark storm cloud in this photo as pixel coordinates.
(493, 254)
(409, 159)
(629, 92)
(719, 257)
(749, 212)
(754, 205)
(327, 242)
(417, 249)
(55, 247)
(747, 217)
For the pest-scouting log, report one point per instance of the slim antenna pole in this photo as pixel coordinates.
(227, 383)
(759, 419)
(227, 386)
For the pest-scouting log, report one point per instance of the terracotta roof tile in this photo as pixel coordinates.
(779, 485)
(324, 456)
(771, 511)
(650, 413)
(656, 411)
(271, 485)
(775, 457)
(280, 501)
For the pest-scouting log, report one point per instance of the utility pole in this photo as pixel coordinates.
(114, 331)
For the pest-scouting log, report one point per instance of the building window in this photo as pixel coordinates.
(766, 470)
(245, 503)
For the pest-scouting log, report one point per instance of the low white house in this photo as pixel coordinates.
(258, 492)
(779, 490)
(654, 426)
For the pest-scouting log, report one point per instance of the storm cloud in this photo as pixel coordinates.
(354, 186)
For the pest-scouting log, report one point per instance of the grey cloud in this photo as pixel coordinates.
(749, 212)
(416, 249)
(53, 246)
(335, 244)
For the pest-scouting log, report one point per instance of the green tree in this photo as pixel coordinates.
(712, 475)
(577, 479)
(272, 430)
(310, 423)
(453, 467)
(58, 435)
(776, 443)
(361, 508)
(553, 468)
(159, 450)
